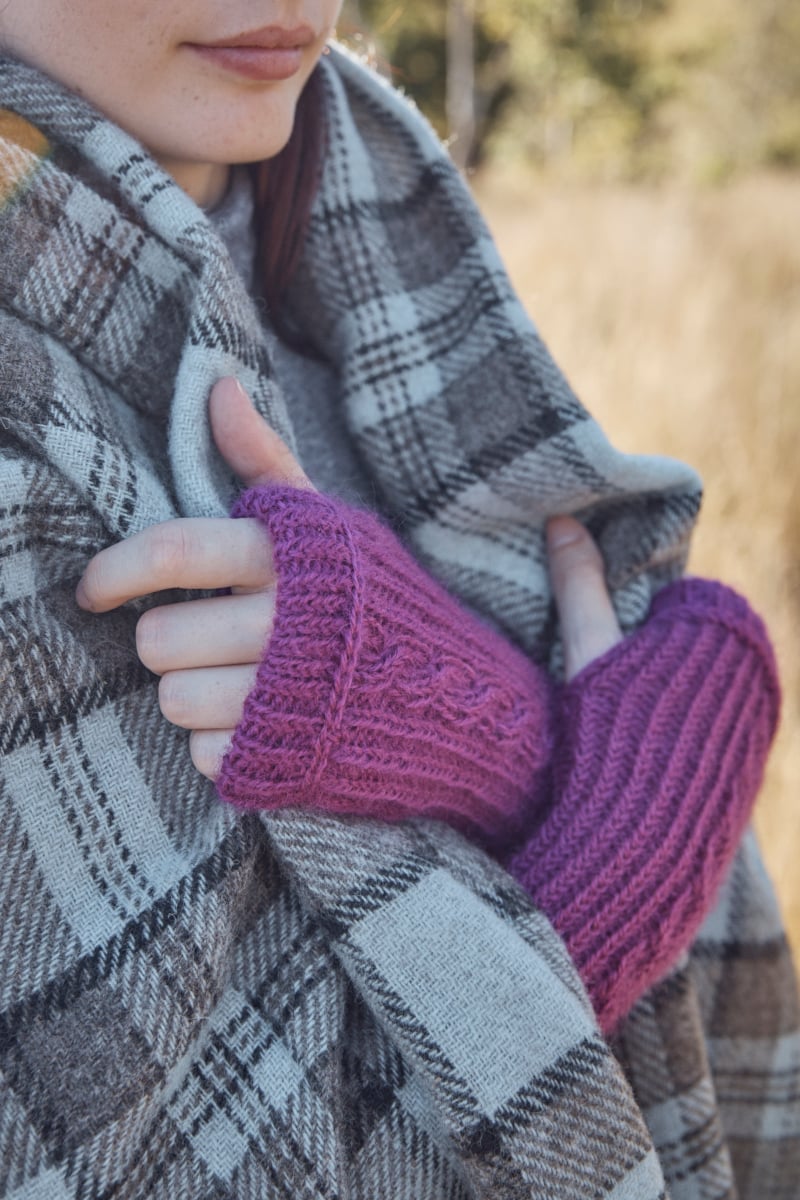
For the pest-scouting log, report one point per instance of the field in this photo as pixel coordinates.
(676, 315)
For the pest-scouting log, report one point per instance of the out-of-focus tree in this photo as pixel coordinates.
(460, 79)
(545, 71)
(410, 40)
(737, 100)
(608, 87)
(587, 82)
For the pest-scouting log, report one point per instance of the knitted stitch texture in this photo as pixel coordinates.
(661, 750)
(379, 694)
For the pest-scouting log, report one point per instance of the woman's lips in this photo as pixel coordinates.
(263, 54)
(254, 62)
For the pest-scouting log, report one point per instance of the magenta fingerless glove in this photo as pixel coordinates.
(661, 750)
(378, 694)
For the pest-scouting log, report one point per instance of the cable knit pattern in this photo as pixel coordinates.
(661, 748)
(379, 694)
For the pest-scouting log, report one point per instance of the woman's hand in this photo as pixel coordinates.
(207, 651)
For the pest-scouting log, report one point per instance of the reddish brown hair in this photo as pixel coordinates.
(285, 187)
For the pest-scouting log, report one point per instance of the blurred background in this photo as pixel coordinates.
(639, 164)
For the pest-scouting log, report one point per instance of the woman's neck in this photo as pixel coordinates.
(205, 183)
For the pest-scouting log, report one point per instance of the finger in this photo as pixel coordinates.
(217, 632)
(190, 552)
(589, 625)
(206, 698)
(208, 747)
(247, 443)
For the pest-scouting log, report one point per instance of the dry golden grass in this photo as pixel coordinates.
(677, 318)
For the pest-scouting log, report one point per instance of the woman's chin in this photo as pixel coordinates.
(199, 162)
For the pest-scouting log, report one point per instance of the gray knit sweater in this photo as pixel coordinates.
(327, 451)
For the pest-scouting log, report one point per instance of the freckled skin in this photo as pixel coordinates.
(131, 59)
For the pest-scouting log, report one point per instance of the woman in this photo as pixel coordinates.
(200, 1003)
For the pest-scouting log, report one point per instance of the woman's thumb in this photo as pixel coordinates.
(247, 443)
(589, 625)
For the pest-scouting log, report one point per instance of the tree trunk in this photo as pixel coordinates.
(461, 79)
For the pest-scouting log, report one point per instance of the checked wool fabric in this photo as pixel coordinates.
(200, 1003)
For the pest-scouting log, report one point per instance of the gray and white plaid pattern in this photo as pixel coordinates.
(202, 1004)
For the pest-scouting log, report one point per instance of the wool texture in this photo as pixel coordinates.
(201, 1002)
(379, 696)
(661, 749)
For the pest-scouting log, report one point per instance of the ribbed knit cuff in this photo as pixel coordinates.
(661, 750)
(379, 695)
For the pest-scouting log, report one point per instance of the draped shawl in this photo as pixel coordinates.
(199, 1003)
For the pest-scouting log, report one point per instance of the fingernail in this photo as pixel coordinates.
(80, 594)
(231, 383)
(563, 531)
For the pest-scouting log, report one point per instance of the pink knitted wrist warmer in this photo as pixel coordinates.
(661, 750)
(378, 694)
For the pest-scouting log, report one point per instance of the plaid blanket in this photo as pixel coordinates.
(196, 1003)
